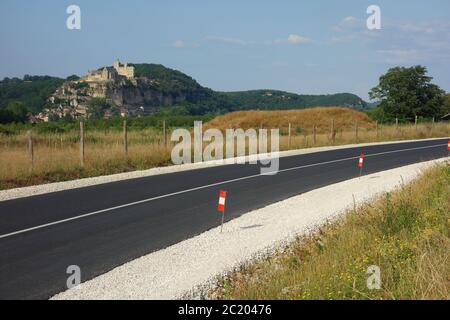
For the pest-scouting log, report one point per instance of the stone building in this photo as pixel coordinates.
(124, 70)
(110, 73)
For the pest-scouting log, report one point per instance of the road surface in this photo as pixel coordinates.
(101, 227)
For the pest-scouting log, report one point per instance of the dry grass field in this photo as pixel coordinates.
(57, 156)
(301, 120)
(404, 233)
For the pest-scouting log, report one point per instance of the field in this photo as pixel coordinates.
(404, 233)
(57, 155)
(301, 120)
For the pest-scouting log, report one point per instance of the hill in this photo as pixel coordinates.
(196, 99)
(156, 88)
(29, 94)
(274, 99)
(344, 118)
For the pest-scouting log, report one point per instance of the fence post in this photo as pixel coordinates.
(376, 129)
(333, 134)
(164, 132)
(82, 143)
(30, 148)
(432, 127)
(289, 138)
(415, 123)
(314, 134)
(125, 137)
(356, 131)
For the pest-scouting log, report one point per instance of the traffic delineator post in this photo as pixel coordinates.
(360, 163)
(221, 206)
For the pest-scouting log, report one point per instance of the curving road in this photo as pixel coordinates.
(101, 227)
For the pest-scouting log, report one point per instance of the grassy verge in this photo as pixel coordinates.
(404, 233)
(56, 155)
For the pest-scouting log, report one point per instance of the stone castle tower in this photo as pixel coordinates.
(124, 70)
(108, 73)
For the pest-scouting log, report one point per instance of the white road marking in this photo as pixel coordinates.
(200, 188)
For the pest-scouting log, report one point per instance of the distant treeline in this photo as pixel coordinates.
(116, 123)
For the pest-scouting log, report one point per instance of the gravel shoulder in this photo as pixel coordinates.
(192, 266)
(80, 183)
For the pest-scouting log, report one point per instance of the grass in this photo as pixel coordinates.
(57, 154)
(405, 233)
(301, 120)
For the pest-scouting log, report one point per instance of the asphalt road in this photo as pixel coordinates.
(104, 226)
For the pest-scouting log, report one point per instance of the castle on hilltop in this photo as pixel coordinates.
(110, 73)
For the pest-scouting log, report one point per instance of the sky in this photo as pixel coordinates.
(306, 47)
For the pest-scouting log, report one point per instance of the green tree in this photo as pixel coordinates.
(18, 111)
(447, 104)
(73, 77)
(96, 108)
(408, 92)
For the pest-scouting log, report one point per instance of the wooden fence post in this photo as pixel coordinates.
(30, 148)
(289, 138)
(333, 133)
(376, 129)
(82, 143)
(125, 137)
(432, 127)
(164, 132)
(314, 134)
(356, 131)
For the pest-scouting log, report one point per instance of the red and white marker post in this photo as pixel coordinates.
(448, 147)
(221, 206)
(360, 164)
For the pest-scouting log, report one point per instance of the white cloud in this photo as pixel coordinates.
(292, 39)
(227, 40)
(295, 38)
(348, 23)
(179, 44)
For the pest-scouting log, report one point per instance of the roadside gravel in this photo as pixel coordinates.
(192, 266)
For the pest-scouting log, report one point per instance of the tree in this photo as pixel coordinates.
(18, 111)
(96, 108)
(73, 77)
(447, 104)
(408, 92)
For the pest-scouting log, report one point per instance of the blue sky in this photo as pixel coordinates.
(309, 47)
